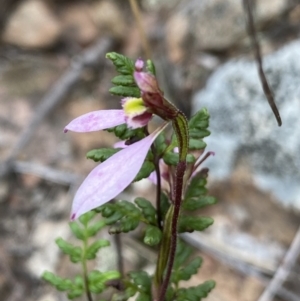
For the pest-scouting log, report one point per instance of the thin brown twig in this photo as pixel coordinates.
(55, 95)
(237, 264)
(137, 15)
(283, 271)
(257, 53)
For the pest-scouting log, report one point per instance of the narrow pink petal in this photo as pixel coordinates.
(96, 121)
(120, 144)
(111, 177)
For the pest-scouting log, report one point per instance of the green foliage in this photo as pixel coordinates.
(124, 133)
(83, 230)
(193, 223)
(74, 252)
(153, 235)
(123, 80)
(125, 216)
(196, 194)
(92, 250)
(171, 158)
(145, 171)
(200, 121)
(160, 143)
(181, 270)
(102, 154)
(195, 144)
(148, 210)
(97, 280)
(194, 204)
(195, 293)
(164, 204)
(124, 91)
(198, 125)
(74, 288)
(150, 67)
(141, 283)
(125, 85)
(124, 65)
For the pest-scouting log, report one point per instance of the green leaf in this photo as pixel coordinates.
(195, 293)
(194, 204)
(195, 144)
(200, 120)
(60, 283)
(142, 280)
(189, 270)
(93, 229)
(123, 132)
(197, 187)
(153, 235)
(77, 230)
(148, 210)
(92, 250)
(107, 210)
(97, 280)
(143, 297)
(123, 64)
(123, 80)
(74, 289)
(183, 252)
(160, 143)
(173, 158)
(194, 223)
(125, 91)
(198, 134)
(127, 224)
(150, 67)
(74, 252)
(102, 154)
(114, 217)
(87, 217)
(145, 171)
(75, 293)
(164, 204)
(125, 213)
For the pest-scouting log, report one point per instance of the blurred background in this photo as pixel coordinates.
(53, 69)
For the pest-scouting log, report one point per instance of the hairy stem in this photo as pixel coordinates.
(137, 15)
(180, 126)
(178, 194)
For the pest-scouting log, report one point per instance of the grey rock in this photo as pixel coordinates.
(244, 128)
(218, 24)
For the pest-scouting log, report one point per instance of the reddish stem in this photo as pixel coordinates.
(178, 194)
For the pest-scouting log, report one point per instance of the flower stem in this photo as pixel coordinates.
(84, 268)
(180, 126)
(137, 15)
(180, 170)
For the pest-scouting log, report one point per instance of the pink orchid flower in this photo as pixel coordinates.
(111, 177)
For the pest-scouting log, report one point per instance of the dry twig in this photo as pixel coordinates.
(58, 92)
(257, 53)
(283, 271)
(243, 267)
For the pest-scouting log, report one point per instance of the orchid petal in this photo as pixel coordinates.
(112, 176)
(96, 121)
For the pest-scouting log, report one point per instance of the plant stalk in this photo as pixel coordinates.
(137, 15)
(84, 268)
